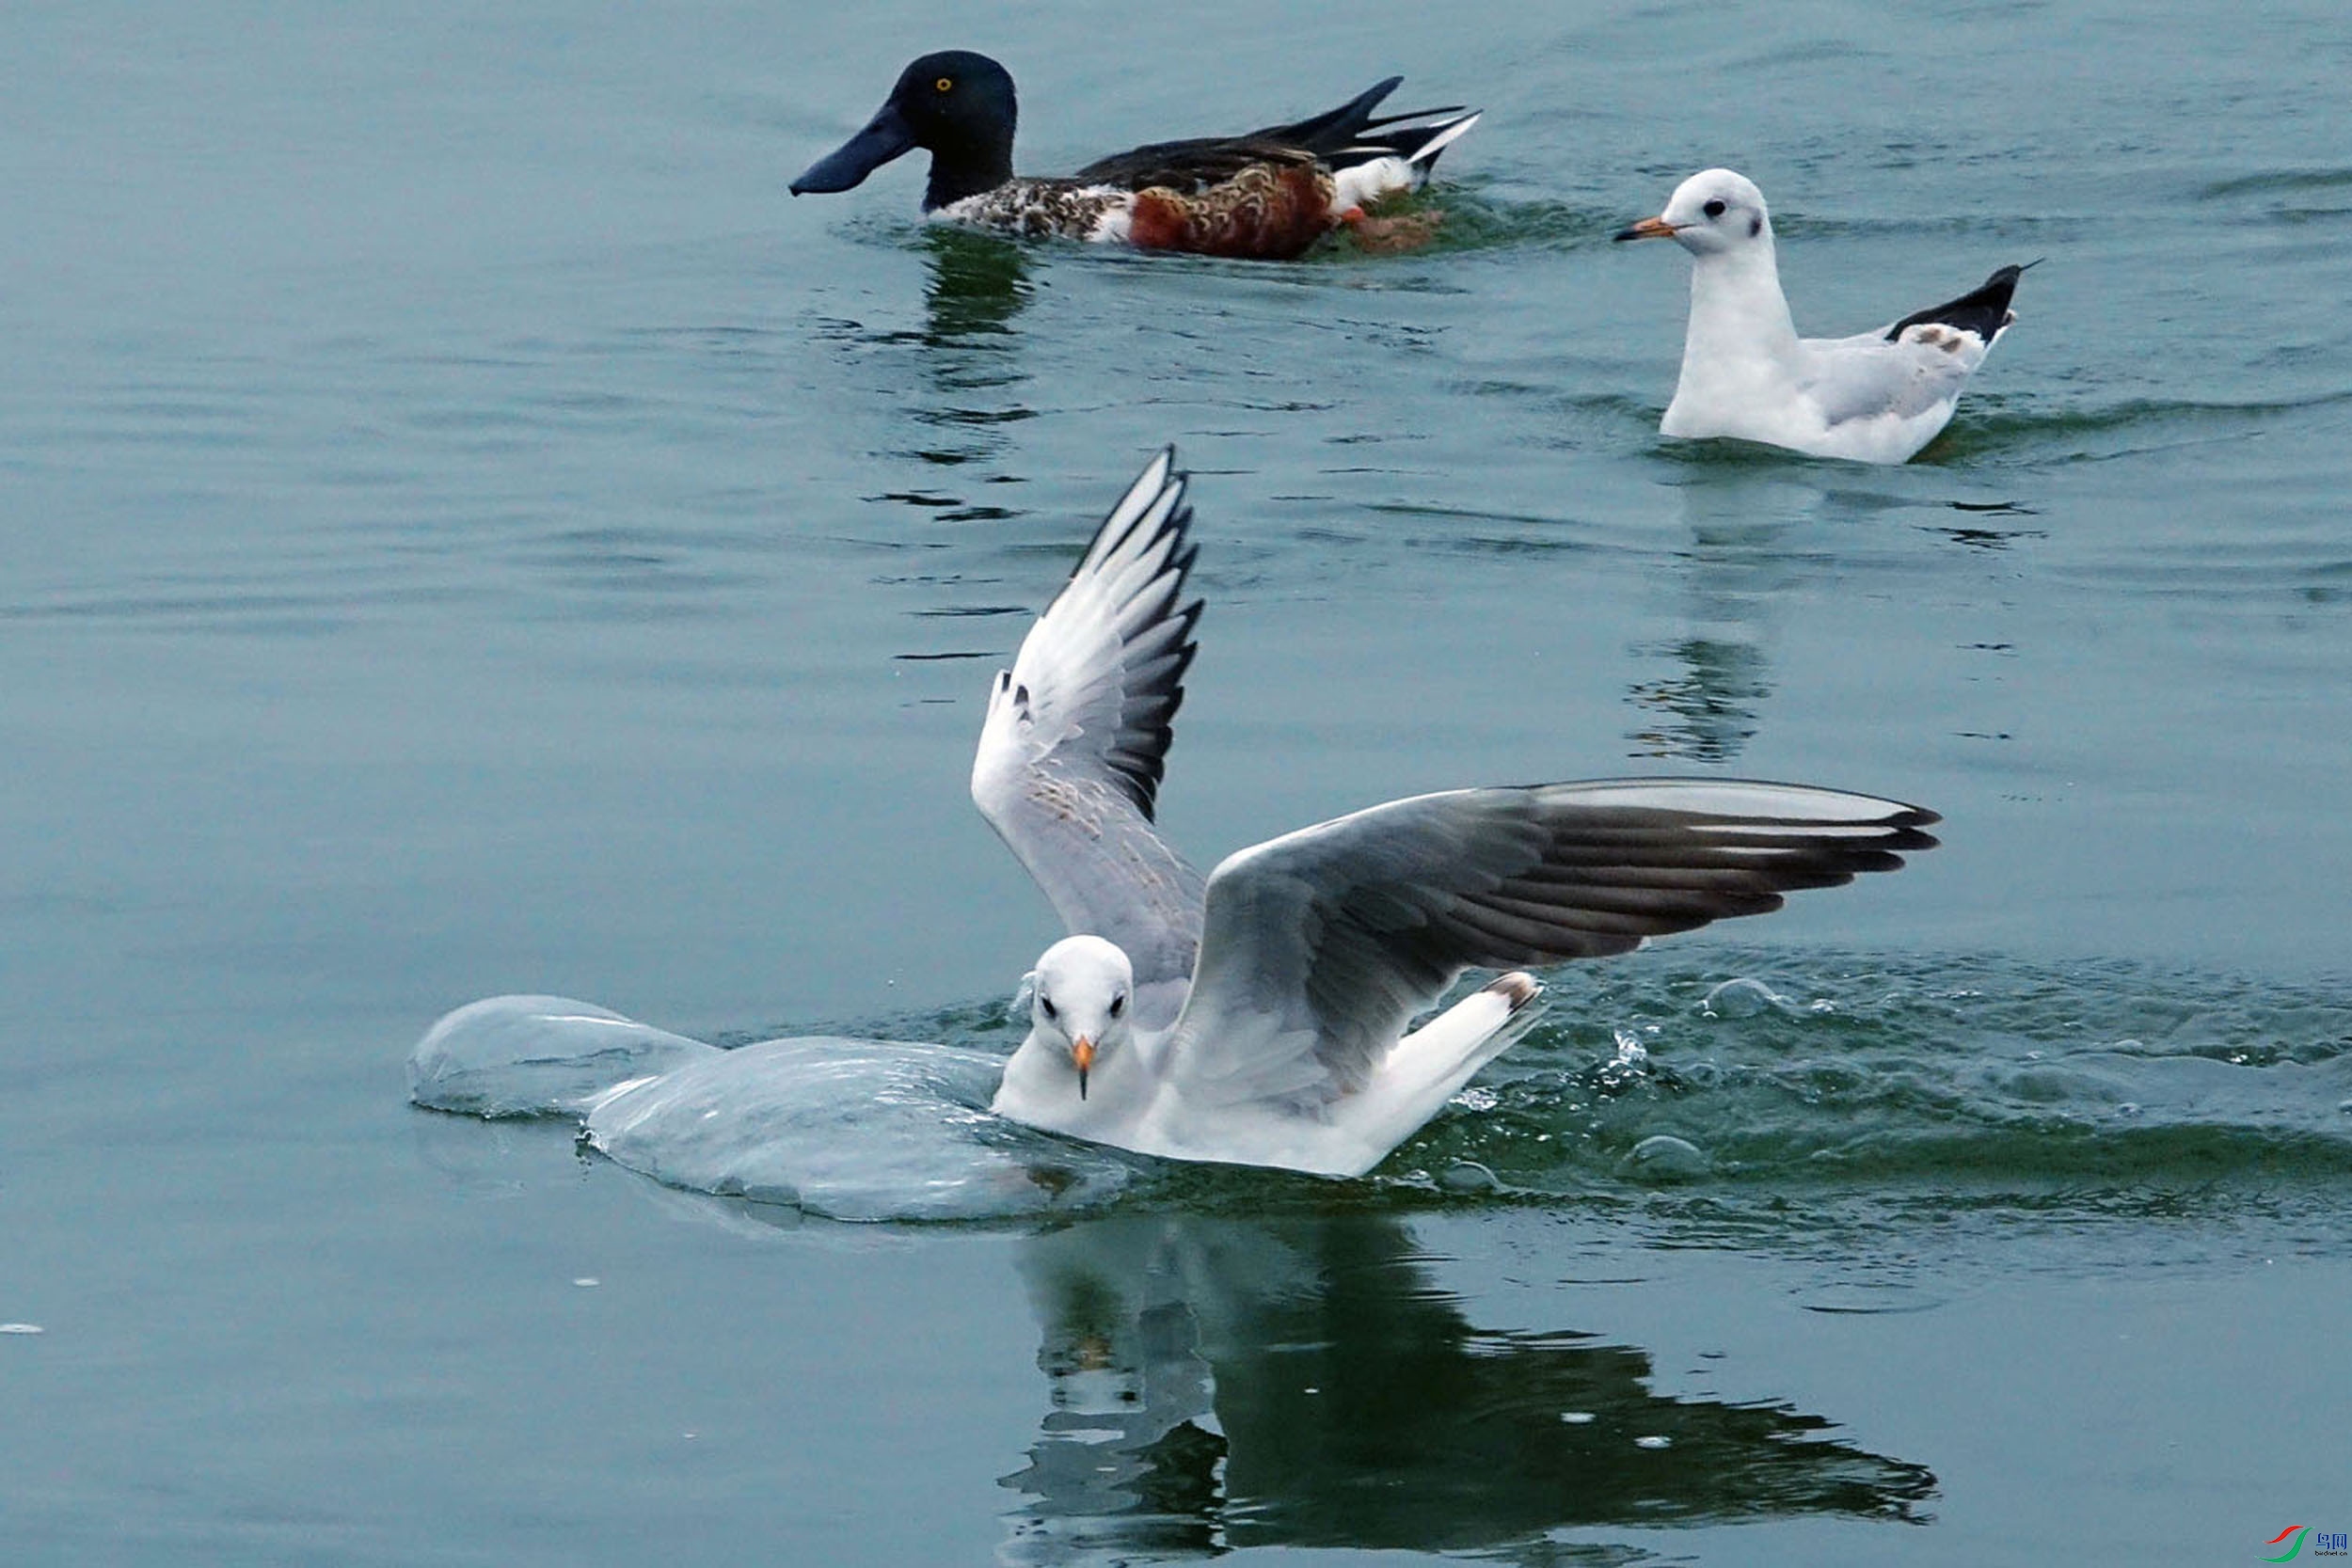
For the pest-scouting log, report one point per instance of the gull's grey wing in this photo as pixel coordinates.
(1075, 742)
(1909, 367)
(1868, 378)
(1321, 945)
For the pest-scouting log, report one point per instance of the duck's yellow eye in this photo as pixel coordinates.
(944, 84)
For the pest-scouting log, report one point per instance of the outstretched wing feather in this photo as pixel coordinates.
(1320, 946)
(1075, 743)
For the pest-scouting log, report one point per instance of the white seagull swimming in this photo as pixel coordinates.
(1261, 1018)
(1878, 397)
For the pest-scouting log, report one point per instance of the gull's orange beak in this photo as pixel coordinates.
(1648, 229)
(1082, 1053)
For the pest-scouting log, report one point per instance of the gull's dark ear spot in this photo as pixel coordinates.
(1755, 226)
(1118, 1005)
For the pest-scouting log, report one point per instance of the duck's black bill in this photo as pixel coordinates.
(887, 135)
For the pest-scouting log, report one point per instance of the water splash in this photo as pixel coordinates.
(1848, 1086)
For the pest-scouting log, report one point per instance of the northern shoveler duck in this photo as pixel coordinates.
(1270, 194)
(1878, 397)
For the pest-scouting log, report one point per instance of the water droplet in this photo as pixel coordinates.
(1577, 1417)
(1657, 1440)
(22, 1328)
(587, 1282)
(1469, 1176)
(1663, 1157)
(1740, 998)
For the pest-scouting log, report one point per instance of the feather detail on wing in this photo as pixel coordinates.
(1320, 946)
(1189, 168)
(1336, 139)
(1075, 742)
(1867, 377)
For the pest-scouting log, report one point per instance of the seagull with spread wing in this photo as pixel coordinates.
(1264, 1017)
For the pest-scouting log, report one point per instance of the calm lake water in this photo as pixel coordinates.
(469, 532)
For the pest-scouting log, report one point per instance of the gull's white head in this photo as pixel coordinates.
(1712, 212)
(1083, 1002)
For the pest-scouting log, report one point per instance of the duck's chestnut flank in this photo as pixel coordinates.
(1270, 211)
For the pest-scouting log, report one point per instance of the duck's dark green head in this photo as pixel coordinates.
(958, 105)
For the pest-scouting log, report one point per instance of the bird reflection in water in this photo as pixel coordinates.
(978, 285)
(1705, 709)
(967, 354)
(970, 357)
(1707, 706)
(1231, 1382)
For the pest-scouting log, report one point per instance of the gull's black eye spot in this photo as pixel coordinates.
(1119, 1005)
(1047, 1003)
(944, 84)
(1714, 209)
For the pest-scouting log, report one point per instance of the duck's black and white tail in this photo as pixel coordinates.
(1417, 138)
(1349, 137)
(1388, 157)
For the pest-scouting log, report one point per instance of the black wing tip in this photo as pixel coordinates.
(1140, 771)
(1179, 477)
(1906, 831)
(2003, 281)
(1176, 522)
(1902, 820)
(1983, 310)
